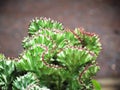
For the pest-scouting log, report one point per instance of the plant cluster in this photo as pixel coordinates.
(54, 58)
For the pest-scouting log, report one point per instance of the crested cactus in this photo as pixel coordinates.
(62, 59)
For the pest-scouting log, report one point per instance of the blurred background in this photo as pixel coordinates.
(99, 16)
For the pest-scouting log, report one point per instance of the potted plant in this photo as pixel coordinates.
(54, 58)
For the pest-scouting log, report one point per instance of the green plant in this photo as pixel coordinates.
(61, 59)
(27, 82)
(7, 69)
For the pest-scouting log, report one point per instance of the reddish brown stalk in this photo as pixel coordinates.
(86, 68)
(83, 32)
(48, 65)
(68, 30)
(90, 52)
(76, 35)
(86, 33)
(80, 48)
(57, 31)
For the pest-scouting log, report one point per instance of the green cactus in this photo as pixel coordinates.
(27, 82)
(7, 75)
(62, 59)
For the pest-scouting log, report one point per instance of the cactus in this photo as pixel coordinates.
(62, 59)
(7, 74)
